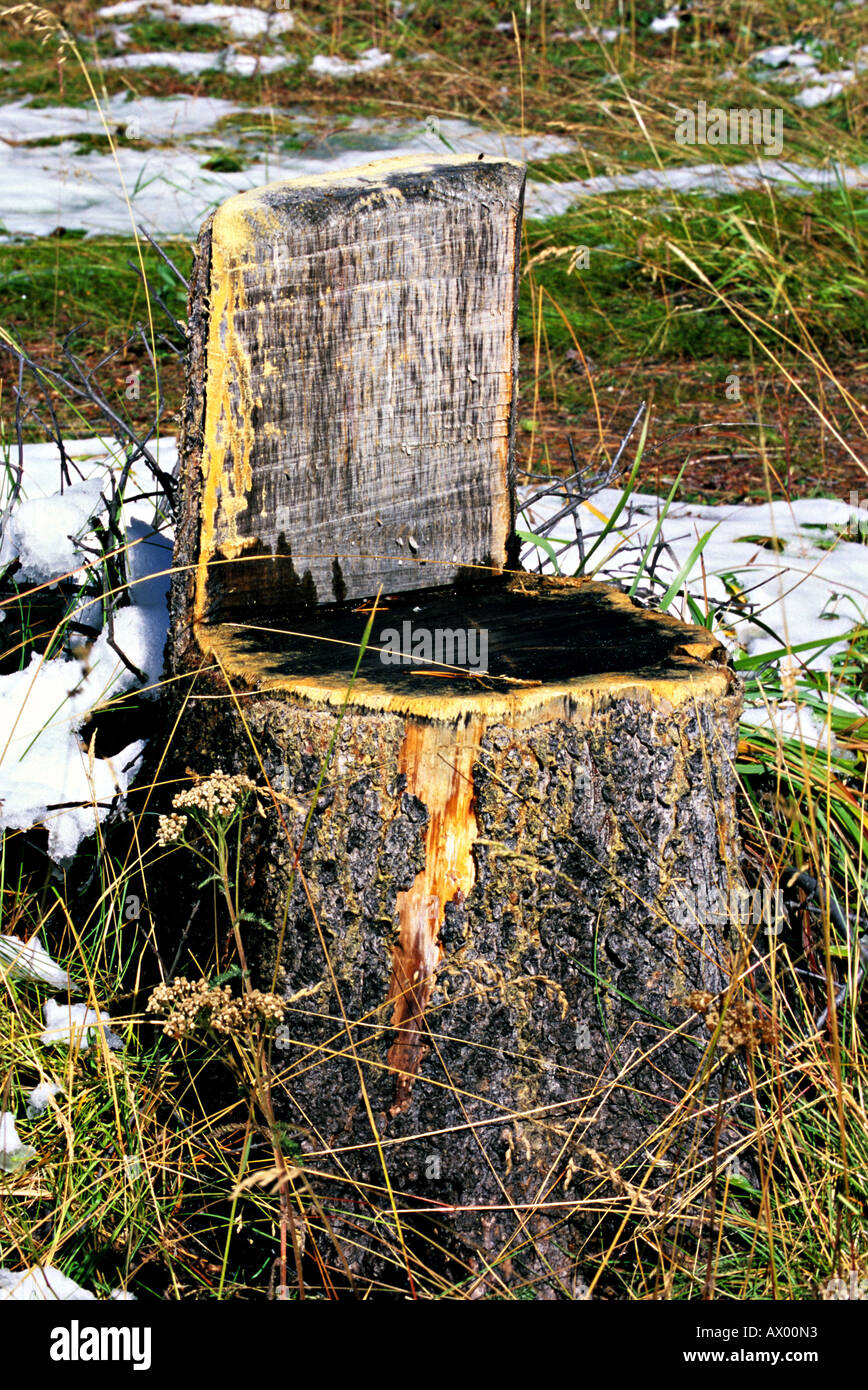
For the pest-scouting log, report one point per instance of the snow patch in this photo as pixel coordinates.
(43, 534)
(550, 200)
(798, 589)
(818, 96)
(665, 23)
(241, 21)
(13, 1154)
(795, 65)
(37, 1100)
(47, 776)
(368, 61)
(41, 1286)
(194, 64)
(593, 34)
(29, 960)
(784, 55)
(171, 191)
(75, 1025)
(155, 118)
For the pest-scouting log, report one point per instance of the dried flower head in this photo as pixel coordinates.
(738, 1026)
(170, 829)
(216, 797)
(220, 794)
(194, 1005)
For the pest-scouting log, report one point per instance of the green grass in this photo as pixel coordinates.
(52, 284)
(753, 269)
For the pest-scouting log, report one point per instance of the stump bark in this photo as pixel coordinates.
(485, 921)
(486, 932)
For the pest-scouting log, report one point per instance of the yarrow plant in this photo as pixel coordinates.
(217, 798)
(735, 1020)
(196, 1005)
(215, 805)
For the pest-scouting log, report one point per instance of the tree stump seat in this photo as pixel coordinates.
(479, 921)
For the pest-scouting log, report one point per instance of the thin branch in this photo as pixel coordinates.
(162, 254)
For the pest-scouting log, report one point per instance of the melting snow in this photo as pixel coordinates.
(47, 1285)
(594, 34)
(42, 534)
(46, 773)
(549, 200)
(794, 587)
(784, 55)
(75, 1025)
(193, 64)
(800, 67)
(369, 61)
(666, 22)
(171, 191)
(154, 118)
(30, 961)
(38, 1098)
(242, 21)
(13, 1154)
(798, 588)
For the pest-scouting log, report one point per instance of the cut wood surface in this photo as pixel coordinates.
(358, 369)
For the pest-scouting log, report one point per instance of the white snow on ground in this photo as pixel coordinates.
(46, 774)
(89, 459)
(30, 961)
(587, 35)
(13, 1154)
(549, 200)
(170, 190)
(38, 1098)
(194, 64)
(47, 1285)
(42, 534)
(782, 55)
(75, 1025)
(41, 1285)
(154, 118)
(368, 61)
(801, 591)
(793, 64)
(242, 21)
(665, 23)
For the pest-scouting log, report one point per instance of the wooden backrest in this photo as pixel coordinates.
(359, 385)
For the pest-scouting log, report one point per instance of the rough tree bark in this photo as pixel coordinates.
(485, 930)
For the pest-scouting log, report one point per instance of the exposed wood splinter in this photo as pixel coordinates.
(438, 763)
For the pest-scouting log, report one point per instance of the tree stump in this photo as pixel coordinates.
(485, 920)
